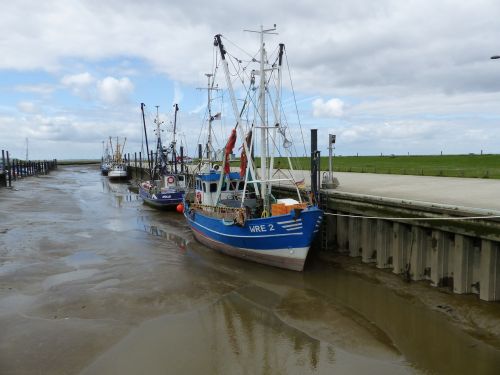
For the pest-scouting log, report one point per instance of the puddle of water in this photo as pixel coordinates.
(110, 283)
(83, 258)
(62, 278)
(9, 267)
(15, 303)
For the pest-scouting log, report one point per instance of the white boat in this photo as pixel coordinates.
(118, 169)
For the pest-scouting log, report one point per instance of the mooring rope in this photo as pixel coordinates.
(415, 218)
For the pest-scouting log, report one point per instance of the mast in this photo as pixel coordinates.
(111, 145)
(174, 153)
(146, 137)
(277, 111)
(158, 165)
(210, 119)
(218, 42)
(263, 130)
(123, 146)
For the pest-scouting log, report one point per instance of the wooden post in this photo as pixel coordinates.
(3, 166)
(140, 163)
(9, 174)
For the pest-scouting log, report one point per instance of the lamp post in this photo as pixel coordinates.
(330, 182)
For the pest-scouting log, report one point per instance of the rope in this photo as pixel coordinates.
(416, 218)
(295, 101)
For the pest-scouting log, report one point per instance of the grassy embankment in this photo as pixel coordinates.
(78, 161)
(472, 166)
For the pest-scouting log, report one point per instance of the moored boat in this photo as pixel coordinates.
(106, 159)
(236, 213)
(118, 170)
(166, 188)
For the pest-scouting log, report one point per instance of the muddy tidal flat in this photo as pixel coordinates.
(94, 282)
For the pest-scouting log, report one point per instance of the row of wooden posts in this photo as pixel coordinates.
(11, 170)
(138, 160)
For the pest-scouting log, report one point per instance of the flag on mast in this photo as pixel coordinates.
(217, 116)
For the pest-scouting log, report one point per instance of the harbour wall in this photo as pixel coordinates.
(450, 247)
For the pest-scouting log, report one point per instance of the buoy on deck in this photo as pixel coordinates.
(180, 208)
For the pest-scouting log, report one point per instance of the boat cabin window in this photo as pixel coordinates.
(180, 177)
(241, 185)
(213, 187)
(232, 185)
(204, 187)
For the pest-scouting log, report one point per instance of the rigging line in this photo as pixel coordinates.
(295, 101)
(234, 44)
(417, 218)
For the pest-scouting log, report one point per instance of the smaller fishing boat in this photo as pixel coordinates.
(166, 188)
(106, 159)
(118, 169)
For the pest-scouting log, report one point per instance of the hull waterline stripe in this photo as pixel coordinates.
(237, 236)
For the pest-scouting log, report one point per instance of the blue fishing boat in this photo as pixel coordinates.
(236, 212)
(166, 188)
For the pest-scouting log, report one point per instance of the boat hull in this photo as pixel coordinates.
(282, 241)
(161, 200)
(117, 175)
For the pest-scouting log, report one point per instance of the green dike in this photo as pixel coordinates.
(469, 166)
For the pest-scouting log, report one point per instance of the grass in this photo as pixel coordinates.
(78, 161)
(471, 166)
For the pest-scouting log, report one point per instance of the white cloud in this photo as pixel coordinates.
(178, 95)
(331, 108)
(114, 90)
(80, 84)
(27, 107)
(41, 89)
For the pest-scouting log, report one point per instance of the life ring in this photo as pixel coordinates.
(170, 179)
(198, 197)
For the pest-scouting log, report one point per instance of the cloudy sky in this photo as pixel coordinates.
(386, 76)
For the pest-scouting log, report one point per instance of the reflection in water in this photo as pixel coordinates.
(158, 232)
(258, 338)
(232, 336)
(119, 191)
(241, 333)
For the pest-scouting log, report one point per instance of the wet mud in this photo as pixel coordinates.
(94, 282)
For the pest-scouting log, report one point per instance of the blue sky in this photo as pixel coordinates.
(387, 77)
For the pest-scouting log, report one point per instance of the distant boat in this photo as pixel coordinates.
(236, 213)
(166, 188)
(106, 159)
(118, 170)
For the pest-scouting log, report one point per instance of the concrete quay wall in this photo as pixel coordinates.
(449, 246)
